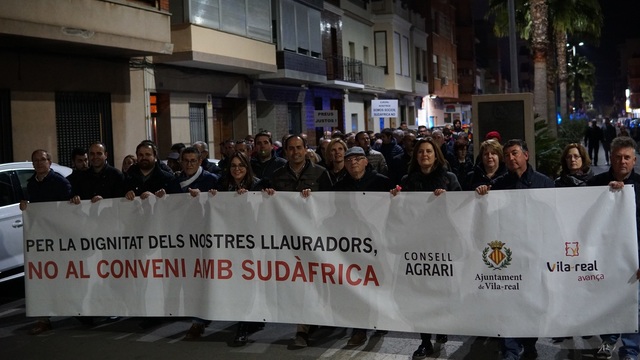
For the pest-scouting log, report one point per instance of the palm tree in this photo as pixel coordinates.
(582, 75)
(539, 13)
(569, 17)
(532, 19)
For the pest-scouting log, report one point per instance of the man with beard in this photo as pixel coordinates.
(101, 181)
(265, 162)
(146, 177)
(79, 163)
(374, 158)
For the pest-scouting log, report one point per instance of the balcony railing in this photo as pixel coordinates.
(342, 68)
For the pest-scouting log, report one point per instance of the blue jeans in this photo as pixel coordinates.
(630, 341)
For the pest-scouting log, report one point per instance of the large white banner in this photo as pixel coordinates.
(544, 262)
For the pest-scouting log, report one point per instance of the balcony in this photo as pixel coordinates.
(297, 69)
(373, 78)
(109, 28)
(344, 73)
(205, 48)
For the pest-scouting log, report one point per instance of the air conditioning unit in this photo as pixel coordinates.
(445, 81)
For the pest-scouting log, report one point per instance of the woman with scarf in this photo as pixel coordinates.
(576, 166)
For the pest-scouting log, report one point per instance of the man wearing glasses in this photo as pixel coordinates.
(361, 177)
(193, 178)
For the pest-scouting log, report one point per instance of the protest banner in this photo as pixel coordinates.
(540, 262)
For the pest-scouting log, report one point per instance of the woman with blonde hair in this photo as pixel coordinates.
(334, 159)
(490, 166)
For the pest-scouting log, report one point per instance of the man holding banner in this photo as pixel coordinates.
(520, 175)
(621, 173)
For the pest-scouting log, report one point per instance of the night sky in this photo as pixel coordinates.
(619, 24)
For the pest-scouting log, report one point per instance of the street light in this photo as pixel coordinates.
(576, 86)
(573, 47)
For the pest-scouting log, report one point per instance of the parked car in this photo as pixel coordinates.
(13, 185)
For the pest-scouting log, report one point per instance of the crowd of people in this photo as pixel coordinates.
(395, 160)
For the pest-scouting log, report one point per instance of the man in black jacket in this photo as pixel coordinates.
(621, 173)
(146, 177)
(101, 180)
(360, 177)
(520, 175)
(592, 138)
(265, 161)
(608, 134)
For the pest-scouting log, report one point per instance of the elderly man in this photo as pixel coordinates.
(45, 185)
(101, 181)
(203, 148)
(621, 173)
(520, 175)
(360, 177)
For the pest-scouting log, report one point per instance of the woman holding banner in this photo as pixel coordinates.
(428, 172)
(490, 166)
(238, 177)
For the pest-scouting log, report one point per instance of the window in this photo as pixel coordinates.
(300, 28)
(436, 70)
(381, 49)
(365, 54)
(197, 122)
(6, 190)
(405, 56)
(295, 118)
(250, 18)
(397, 57)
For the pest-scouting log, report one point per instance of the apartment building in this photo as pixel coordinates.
(66, 77)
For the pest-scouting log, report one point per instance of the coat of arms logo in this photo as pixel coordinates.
(496, 256)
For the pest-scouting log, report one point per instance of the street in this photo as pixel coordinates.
(123, 338)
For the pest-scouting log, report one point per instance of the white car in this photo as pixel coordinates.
(13, 184)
